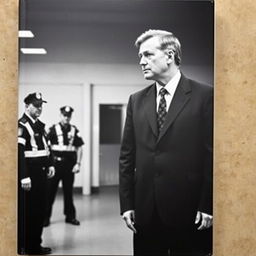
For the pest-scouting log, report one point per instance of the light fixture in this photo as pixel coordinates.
(33, 51)
(26, 34)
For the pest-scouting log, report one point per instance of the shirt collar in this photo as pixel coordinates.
(171, 85)
(65, 126)
(31, 118)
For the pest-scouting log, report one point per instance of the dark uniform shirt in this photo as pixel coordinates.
(64, 141)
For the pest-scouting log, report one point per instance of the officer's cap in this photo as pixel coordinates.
(34, 98)
(66, 110)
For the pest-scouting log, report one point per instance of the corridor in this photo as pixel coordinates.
(102, 231)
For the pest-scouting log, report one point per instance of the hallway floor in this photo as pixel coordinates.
(102, 231)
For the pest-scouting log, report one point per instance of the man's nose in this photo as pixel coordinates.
(142, 61)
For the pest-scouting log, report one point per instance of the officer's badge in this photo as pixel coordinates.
(38, 96)
(20, 131)
(67, 109)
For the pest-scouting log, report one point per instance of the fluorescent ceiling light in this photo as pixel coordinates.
(33, 50)
(25, 34)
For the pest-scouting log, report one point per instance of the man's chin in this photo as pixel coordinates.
(148, 77)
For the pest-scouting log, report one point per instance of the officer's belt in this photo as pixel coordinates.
(36, 153)
(67, 148)
(58, 158)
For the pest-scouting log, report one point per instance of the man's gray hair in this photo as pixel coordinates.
(167, 41)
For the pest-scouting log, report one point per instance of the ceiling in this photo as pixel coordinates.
(104, 31)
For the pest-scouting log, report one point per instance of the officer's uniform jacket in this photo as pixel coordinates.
(32, 146)
(64, 141)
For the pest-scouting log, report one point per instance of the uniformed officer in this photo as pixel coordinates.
(66, 144)
(34, 166)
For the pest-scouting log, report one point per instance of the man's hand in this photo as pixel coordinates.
(129, 217)
(76, 168)
(206, 220)
(26, 184)
(51, 172)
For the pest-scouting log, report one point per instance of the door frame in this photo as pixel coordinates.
(106, 94)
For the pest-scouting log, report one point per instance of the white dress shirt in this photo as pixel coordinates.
(170, 87)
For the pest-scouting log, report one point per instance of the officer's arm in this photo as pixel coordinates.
(78, 143)
(79, 153)
(51, 168)
(22, 168)
(48, 135)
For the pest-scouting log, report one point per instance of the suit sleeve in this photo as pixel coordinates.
(127, 163)
(206, 202)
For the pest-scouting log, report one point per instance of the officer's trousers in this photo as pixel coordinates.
(63, 172)
(31, 207)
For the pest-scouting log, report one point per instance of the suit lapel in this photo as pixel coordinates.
(180, 99)
(150, 108)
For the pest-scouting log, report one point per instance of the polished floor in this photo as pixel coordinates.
(102, 231)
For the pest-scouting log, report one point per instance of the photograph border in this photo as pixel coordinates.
(234, 154)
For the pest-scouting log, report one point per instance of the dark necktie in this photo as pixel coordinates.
(161, 113)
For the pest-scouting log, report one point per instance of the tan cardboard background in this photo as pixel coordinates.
(235, 128)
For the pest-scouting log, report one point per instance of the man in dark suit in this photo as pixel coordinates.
(166, 153)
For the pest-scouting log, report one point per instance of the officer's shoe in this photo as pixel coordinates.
(73, 221)
(40, 251)
(45, 250)
(46, 223)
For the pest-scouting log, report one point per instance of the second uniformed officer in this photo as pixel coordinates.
(34, 165)
(66, 144)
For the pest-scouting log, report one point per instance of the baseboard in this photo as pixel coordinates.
(95, 190)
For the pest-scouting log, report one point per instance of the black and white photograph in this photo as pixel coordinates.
(115, 128)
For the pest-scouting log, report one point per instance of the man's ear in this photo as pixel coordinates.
(170, 55)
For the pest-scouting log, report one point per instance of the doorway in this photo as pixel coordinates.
(110, 140)
(109, 101)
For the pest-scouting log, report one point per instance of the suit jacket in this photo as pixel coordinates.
(170, 171)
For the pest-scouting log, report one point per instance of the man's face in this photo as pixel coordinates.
(153, 60)
(34, 109)
(65, 119)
